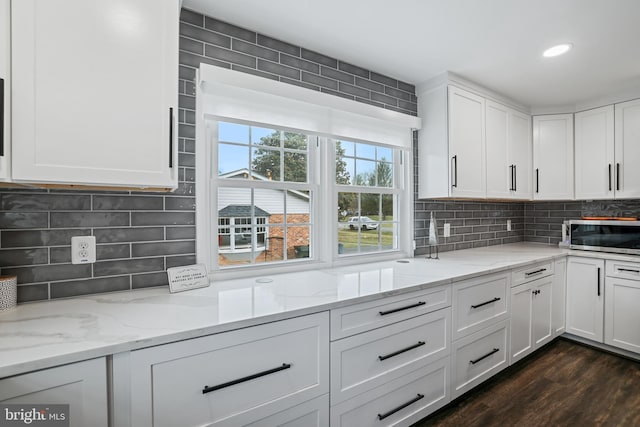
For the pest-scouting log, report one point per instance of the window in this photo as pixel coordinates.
(367, 198)
(288, 178)
(264, 207)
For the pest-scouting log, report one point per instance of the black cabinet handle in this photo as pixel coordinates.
(395, 353)
(495, 350)
(401, 407)
(609, 176)
(418, 304)
(486, 302)
(598, 281)
(537, 180)
(511, 173)
(629, 270)
(618, 176)
(535, 272)
(1, 117)
(171, 137)
(515, 178)
(454, 161)
(208, 389)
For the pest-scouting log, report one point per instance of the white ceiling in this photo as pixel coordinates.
(495, 43)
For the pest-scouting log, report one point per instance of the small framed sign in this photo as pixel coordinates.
(187, 277)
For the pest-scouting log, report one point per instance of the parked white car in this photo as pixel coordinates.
(364, 222)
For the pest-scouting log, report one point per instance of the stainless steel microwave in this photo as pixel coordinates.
(606, 236)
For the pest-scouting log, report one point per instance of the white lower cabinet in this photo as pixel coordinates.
(373, 358)
(233, 378)
(622, 313)
(531, 312)
(479, 356)
(585, 298)
(479, 302)
(559, 297)
(82, 385)
(400, 402)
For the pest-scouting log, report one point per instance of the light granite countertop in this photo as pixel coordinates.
(45, 334)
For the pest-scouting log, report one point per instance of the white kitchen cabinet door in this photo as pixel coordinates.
(95, 92)
(530, 317)
(594, 154)
(553, 157)
(559, 297)
(627, 151)
(82, 385)
(622, 317)
(466, 144)
(520, 154)
(508, 148)
(5, 90)
(585, 297)
(521, 322)
(499, 168)
(541, 330)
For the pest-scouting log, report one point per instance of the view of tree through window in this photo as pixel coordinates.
(365, 216)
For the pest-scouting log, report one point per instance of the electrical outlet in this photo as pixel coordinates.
(414, 245)
(447, 230)
(83, 249)
(508, 225)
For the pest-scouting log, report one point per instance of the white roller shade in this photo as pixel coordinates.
(233, 95)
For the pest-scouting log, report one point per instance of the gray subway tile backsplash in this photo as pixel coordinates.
(278, 45)
(89, 286)
(24, 220)
(128, 266)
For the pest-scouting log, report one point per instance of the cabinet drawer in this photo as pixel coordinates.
(479, 302)
(400, 402)
(478, 357)
(351, 320)
(622, 269)
(314, 413)
(232, 378)
(81, 385)
(373, 358)
(532, 272)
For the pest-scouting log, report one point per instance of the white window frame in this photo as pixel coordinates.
(324, 245)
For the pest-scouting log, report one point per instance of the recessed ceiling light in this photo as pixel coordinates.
(557, 50)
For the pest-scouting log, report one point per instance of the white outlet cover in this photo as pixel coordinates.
(83, 249)
(508, 225)
(447, 230)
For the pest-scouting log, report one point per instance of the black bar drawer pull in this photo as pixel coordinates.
(208, 389)
(617, 176)
(629, 270)
(395, 353)
(454, 159)
(531, 273)
(537, 180)
(511, 173)
(598, 281)
(515, 178)
(1, 117)
(171, 137)
(609, 176)
(418, 304)
(495, 350)
(486, 302)
(401, 407)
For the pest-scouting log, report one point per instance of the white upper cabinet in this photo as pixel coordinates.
(451, 149)
(466, 143)
(508, 152)
(553, 157)
(95, 91)
(627, 149)
(5, 90)
(594, 154)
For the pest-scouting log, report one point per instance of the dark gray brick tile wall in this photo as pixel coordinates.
(543, 220)
(206, 39)
(473, 224)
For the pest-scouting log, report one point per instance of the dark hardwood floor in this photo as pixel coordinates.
(564, 384)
